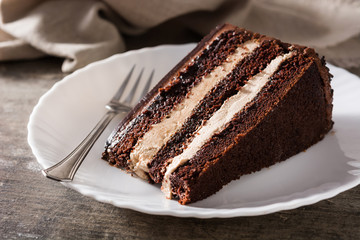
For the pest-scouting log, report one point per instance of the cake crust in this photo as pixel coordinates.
(262, 146)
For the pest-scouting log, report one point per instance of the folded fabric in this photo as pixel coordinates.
(85, 31)
(73, 30)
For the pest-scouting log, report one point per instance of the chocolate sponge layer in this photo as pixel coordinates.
(229, 86)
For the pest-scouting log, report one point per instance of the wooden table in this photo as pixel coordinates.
(33, 207)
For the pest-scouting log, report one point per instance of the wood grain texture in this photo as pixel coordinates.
(33, 207)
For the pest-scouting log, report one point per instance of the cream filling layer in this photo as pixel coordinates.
(146, 148)
(223, 116)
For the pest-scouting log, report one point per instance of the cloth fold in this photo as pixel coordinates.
(85, 31)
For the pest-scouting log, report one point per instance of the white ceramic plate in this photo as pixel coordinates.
(66, 113)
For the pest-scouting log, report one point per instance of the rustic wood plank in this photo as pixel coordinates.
(33, 207)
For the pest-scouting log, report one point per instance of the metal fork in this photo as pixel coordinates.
(65, 170)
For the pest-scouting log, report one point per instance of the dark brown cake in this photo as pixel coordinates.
(237, 103)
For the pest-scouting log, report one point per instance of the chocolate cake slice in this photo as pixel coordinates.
(239, 102)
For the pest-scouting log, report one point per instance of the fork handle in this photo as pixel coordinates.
(65, 170)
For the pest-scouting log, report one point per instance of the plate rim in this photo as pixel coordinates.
(191, 211)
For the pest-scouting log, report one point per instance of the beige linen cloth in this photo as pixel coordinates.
(85, 31)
